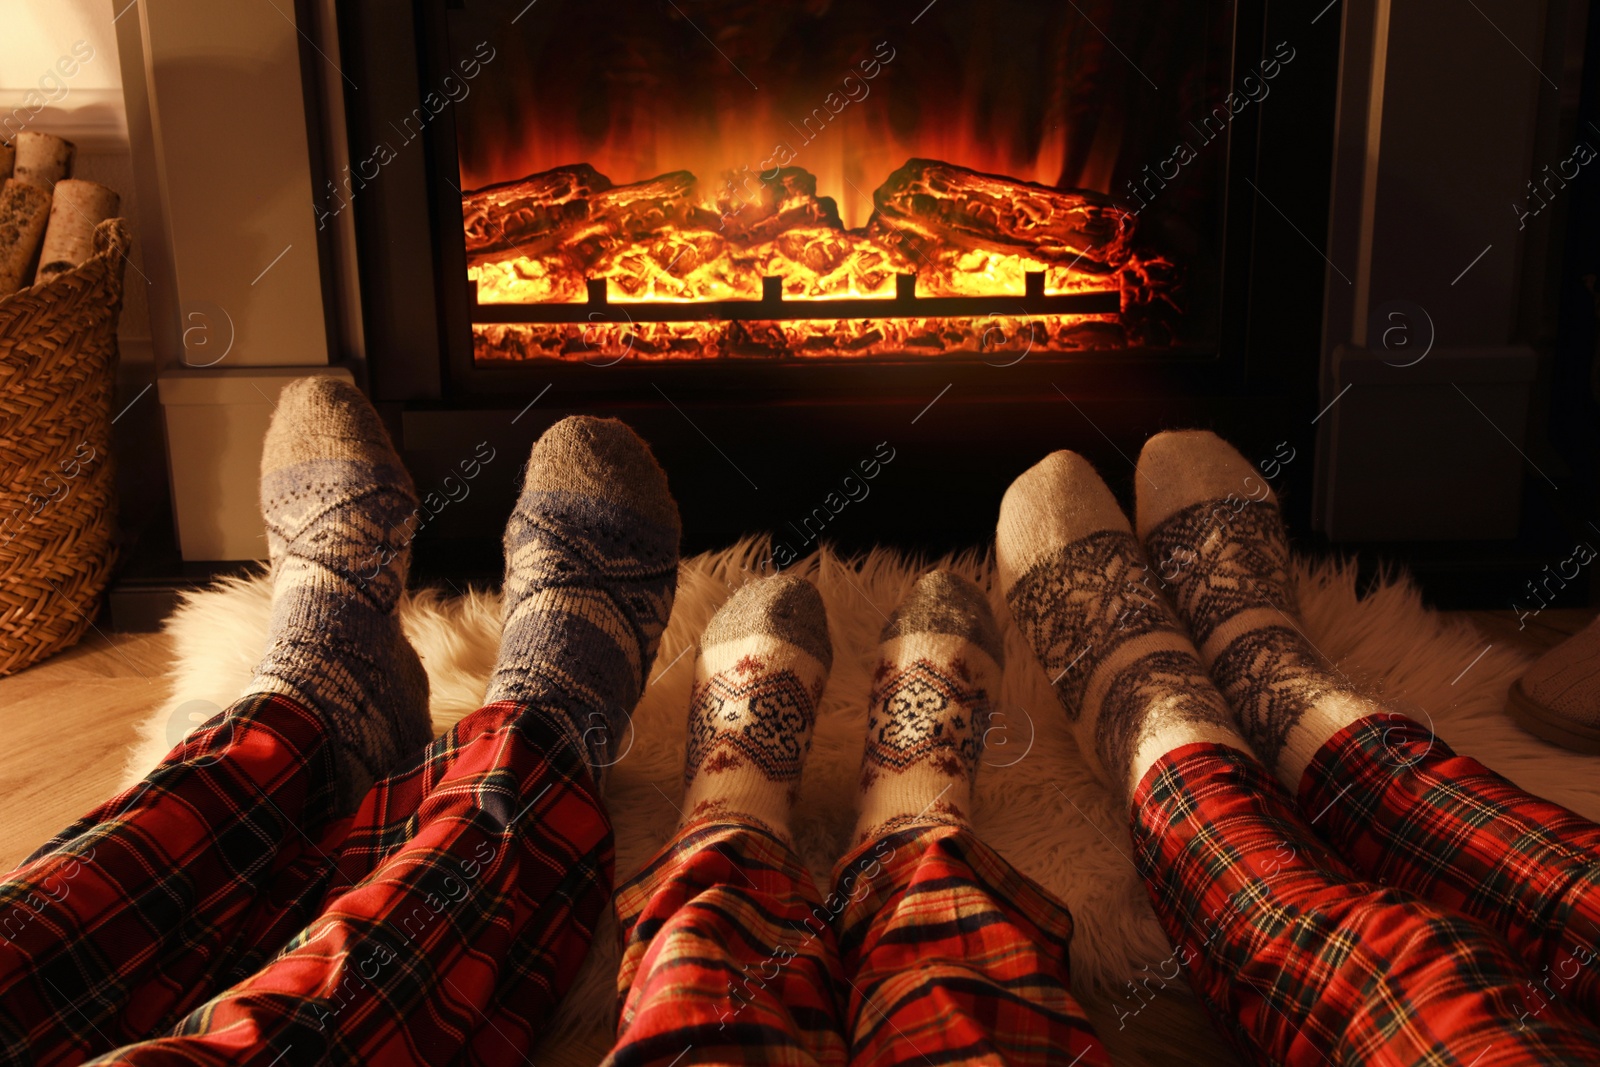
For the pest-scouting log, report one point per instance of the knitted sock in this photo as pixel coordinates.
(1214, 529)
(1078, 587)
(337, 501)
(938, 669)
(591, 568)
(762, 665)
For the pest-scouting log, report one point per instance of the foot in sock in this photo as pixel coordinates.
(1077, 584)
(338, 505)
(1214, 530)
(591, 567)
(932, 696)
(760, 671)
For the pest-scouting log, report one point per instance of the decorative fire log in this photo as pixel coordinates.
(546, 238)
(753, 210)
(629, 212)
(938, 211)
(8, 156)
(24, 210)
(575, 216)
(42, 159)
(499, 216)
(75, 210)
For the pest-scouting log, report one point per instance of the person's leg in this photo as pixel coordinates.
(1392, 799)
(480, 871)
(1307, 962)
(728, 956)
(1297, 959)
(949, 953)
(167, 893)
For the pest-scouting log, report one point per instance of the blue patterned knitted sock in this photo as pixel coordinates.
(337, 504)
(591, 568)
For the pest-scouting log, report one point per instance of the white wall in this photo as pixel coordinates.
(47, 85)
(38, 30)
(58, 64)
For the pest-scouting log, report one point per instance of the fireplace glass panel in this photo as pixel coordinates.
(730, 179)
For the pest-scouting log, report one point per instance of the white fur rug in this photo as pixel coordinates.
(1036, 803)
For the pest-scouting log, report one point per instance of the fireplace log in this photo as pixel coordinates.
(498, 216)
(575, 216)
(753, 210)
(633, 212)
(24, 210)
(938, 211)
(42, 159)
(76, 209)
(960, 232)
(540, 237)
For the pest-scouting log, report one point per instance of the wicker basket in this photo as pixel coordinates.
(58, 354)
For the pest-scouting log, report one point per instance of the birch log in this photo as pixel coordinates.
(75, 210)
(24, 211)
(42, 159)
(8, 155)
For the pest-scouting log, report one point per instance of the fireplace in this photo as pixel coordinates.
(781, 239)
(958, 193)
(928, 240)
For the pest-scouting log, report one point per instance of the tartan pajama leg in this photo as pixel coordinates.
(728, 955)
(171, 890)
(1305, 964)
(952, 956)
(1402, 808)
(479, 873)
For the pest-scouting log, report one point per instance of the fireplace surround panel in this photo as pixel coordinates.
(752, 434)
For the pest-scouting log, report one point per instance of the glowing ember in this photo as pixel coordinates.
(1000, 339)
(959, 232)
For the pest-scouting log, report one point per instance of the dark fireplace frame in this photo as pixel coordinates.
(1258, 385)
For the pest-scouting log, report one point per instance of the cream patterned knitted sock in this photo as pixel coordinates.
(763, 663)
(1213, 530)
(1124, 670)
(932, 692)
(337, 504)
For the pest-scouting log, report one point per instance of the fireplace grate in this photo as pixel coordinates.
(772, 307)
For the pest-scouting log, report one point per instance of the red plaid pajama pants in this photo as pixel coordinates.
(1304, 961)
(220, 912)
(930, 949)
(1405, 810)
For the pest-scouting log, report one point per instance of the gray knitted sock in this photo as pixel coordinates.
(337, 503)
(763, 663)
(591, 568)
(938, 672)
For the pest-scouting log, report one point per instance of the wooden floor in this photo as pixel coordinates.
(70, 721)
